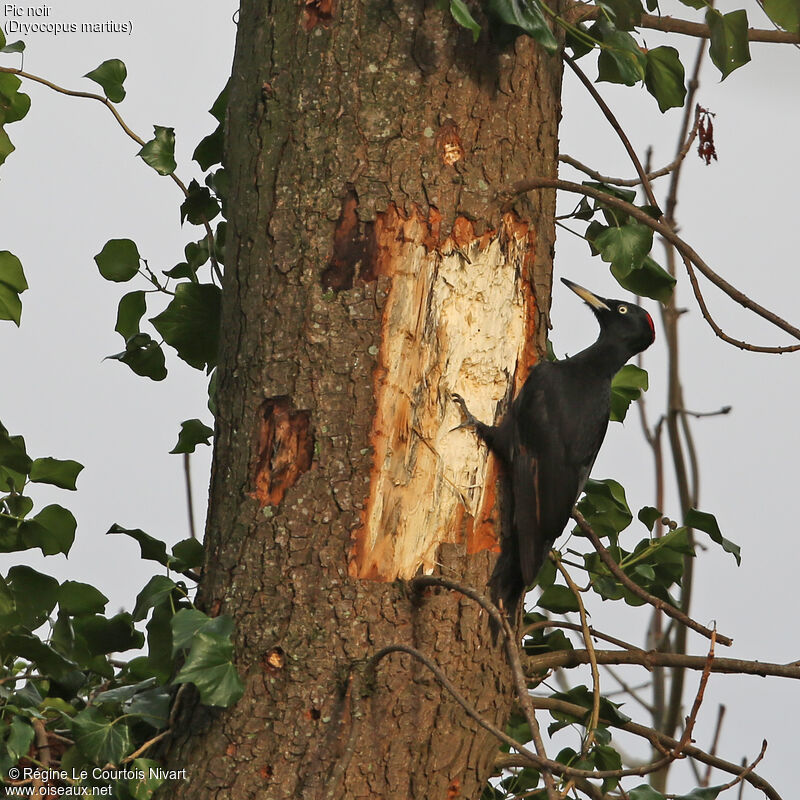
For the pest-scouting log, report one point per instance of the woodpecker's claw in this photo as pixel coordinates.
(469, 420)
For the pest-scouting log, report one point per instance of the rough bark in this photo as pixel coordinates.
(369, 274)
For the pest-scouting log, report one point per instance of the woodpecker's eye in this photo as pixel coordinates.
(623, 309)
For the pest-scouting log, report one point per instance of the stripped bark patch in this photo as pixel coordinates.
(285, 449)
(455, 320)
(448, 141)
(317, 12)
(353, 253)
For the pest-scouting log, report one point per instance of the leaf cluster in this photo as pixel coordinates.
(57, 639)
(62, 655)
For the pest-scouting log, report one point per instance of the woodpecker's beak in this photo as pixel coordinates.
(592, 300)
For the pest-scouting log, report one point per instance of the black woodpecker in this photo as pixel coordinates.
(549, 438)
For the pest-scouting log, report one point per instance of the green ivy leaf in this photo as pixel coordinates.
(209, 151)
(118, 261)
(129, 313)
(664, 77)
(649, 279)
(706, 793)
(52, 530)
(187, 554)
(621, 60)
(145, 788)
(558, 599)
(12, 284)
(461, 14)
(110, 75)
(199, 206)
(114, 635)
(151, 549)
(121, 694)
(12, 453)
(190, 323)
(645, 792)
(157, 590)
(625, 246)
(56, 472)
(784, 13)
(100, 739)
(210, 668)
(526, 15)
(50, 662)
(627, 386)
(605, 507)
(14, 105)
(144, 356)
(627, 13)
(648, 516)
(75, 598)
(6, 148)
(20, 736)
(729, 48)
(14, 47)
(707, 523)
(188, 622)
(33, 596)
(193, 432)
(159, 152)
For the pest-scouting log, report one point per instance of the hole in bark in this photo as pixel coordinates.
(285, 449)
(274, 660)
(354, 249)
(266, 772)
(317, 12)
(314, 713)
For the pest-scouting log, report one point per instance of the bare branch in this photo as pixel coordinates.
(651, 176)
(657, 602)
(660, 741)
(582, 12)
(651, 659)
(587, 638)
(136, 138)
(529, 184)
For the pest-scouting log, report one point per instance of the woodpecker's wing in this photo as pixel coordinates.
(555, 447)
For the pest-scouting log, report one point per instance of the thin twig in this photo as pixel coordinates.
(657, 602)
(580, 12)
(189, 506)
(651, 176)
(514, 661)
(541, 182)
(136, 138)
(714, 742)
(651, 659)
(571, 626)
(660, 741)
(686, 738)
(587, 638)
(648, 189)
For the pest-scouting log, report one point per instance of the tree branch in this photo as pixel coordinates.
(136, 138)
(660, 741)
(529, 184)
(567, 659)
(657, 602)
(583, 12)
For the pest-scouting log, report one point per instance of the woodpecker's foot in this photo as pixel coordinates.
(469, 420)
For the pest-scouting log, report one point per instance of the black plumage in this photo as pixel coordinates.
(549, 439)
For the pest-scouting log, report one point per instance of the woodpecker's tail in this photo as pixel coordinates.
(506, 583)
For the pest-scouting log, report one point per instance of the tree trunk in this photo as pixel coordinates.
(370, 273)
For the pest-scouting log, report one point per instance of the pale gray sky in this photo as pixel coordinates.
(74, 182)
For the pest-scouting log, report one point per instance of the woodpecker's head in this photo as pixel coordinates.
(627, 324)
